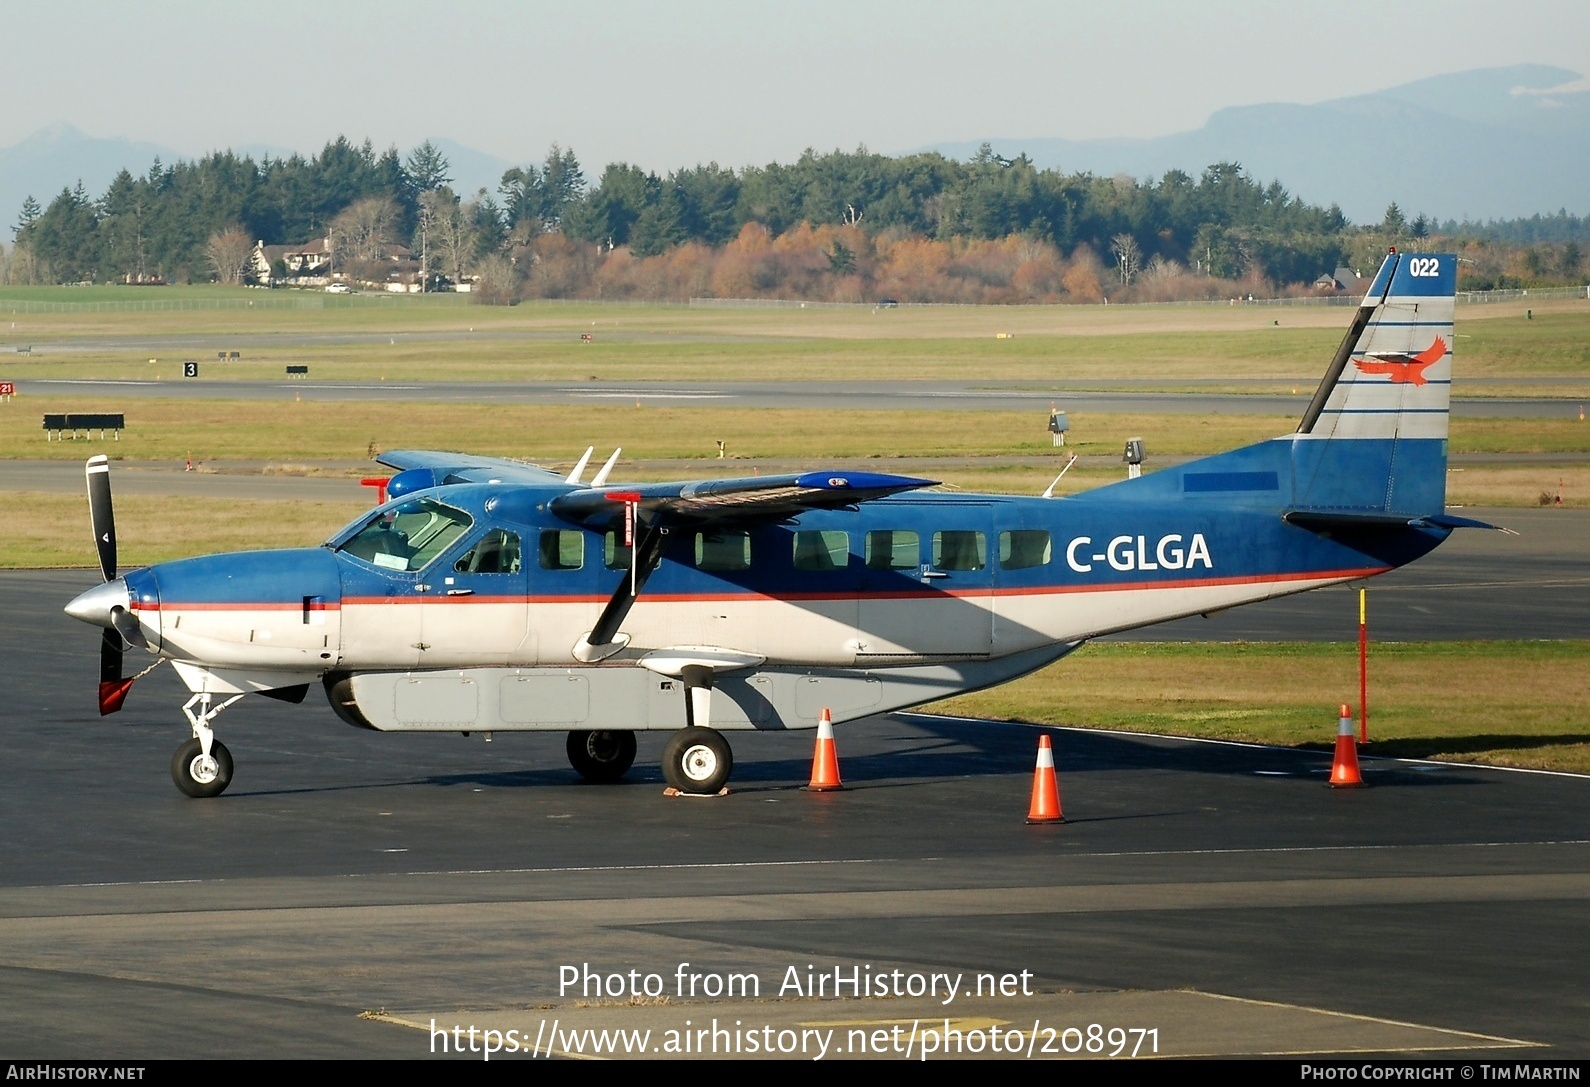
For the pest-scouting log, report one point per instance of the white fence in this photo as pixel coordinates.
(1466, 297)
(283, 301)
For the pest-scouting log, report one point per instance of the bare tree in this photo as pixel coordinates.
(21, 266)
(499, 282)
(1128, 256)
(230, 252)
(451, 231)
(363, 229)
(1158, 268)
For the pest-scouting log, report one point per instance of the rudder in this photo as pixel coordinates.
(1374, 437)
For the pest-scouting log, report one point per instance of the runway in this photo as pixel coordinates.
(353, 887)
(979, 395)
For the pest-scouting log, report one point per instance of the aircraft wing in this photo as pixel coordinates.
(463, 468)
(748, 498)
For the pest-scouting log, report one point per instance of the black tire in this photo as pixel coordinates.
(697, 760)
(192, 779)
(602, 755)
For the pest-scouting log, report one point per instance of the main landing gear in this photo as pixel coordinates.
(694, 760)
(602, 755)
(697, 760)
(202, 767)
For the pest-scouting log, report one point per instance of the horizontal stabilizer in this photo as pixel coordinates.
(748, 498)
(1326, 520)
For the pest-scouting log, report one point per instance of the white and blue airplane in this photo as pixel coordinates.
(487, 595)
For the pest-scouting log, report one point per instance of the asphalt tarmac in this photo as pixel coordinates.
(828, 395)
(352, 890)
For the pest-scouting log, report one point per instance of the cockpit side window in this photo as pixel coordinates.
(497, 552)
(408, 536)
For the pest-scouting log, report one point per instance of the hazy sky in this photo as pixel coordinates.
(671, 84)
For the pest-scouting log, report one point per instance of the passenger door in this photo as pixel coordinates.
(928, 585)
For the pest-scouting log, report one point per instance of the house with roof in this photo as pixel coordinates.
(307, 264)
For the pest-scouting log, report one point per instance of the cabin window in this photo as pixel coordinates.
(826, 550)
(408, 536)
(615, 554)
(960, 550)
(497, 552)
(723, 550)
(1023, 548)
(562, 549)
(893, 549)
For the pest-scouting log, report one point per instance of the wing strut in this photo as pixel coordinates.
(604, 640)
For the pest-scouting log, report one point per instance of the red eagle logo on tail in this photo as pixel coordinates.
(1404, 369)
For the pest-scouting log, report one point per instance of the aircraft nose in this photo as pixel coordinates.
(95, 607)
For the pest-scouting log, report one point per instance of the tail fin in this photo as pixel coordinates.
(1374, 437)
(1372, 444)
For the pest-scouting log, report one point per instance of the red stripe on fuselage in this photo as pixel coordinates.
(205, 605)
(751, 594)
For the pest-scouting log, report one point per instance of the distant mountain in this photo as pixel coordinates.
(58, 157)
(1488, 143)
(474, 170)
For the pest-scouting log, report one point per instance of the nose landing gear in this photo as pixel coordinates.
(202, 766)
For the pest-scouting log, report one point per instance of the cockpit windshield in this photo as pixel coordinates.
(408, 536)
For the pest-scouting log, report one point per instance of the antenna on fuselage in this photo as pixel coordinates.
(1049, 491)
(579, 469)
(601, 476)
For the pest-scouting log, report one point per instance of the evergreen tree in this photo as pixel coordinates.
(426, 168)
(30, 214)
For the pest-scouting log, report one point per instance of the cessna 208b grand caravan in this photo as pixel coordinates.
(487, 595)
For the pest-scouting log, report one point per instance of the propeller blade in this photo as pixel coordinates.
(112, 687)
(101, 516)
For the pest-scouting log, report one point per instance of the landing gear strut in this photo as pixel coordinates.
(697, 760)
(202, 767)
(603, 755)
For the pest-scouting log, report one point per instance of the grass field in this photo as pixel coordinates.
(1510, 703)
(169, 429)
(410, 339)
(40, 530)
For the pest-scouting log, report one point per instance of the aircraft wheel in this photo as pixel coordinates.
(697, 760)
(200, 777)
(601, 755)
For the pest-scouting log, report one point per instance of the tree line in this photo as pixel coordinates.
(840, 225)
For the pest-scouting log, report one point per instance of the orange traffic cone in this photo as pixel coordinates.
(825, 760)
(1344, 770)
(1045, 805)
